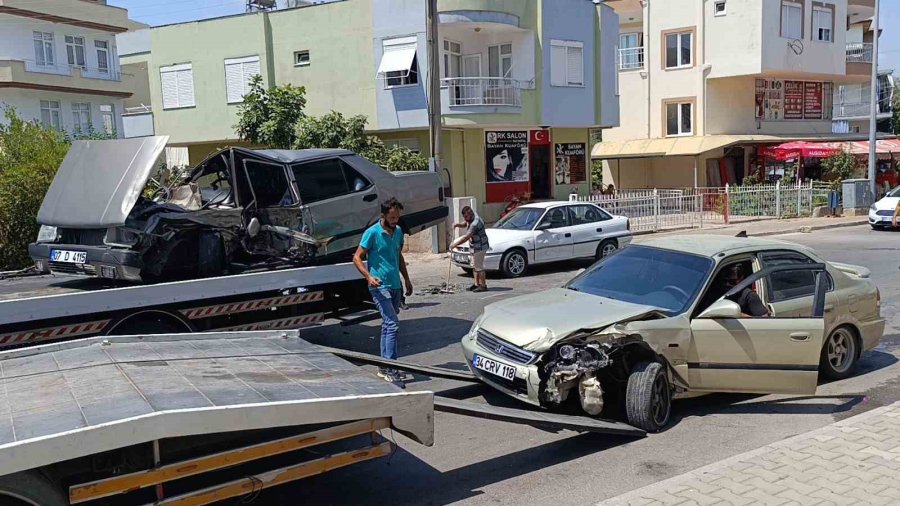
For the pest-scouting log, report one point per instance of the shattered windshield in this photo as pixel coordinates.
(523, 218)
(666, 279)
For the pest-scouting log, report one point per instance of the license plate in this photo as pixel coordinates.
(68, 257)
(494, 367)
(461, 259)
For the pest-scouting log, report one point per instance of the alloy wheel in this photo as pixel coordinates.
(841, 348)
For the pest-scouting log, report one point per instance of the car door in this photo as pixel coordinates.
(553, 236)
(759, 355)
(587, 229)
(790, 294)
(337, 214)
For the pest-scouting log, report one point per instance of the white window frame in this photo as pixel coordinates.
(716, 11)
(785, 21)
(47, 49)
(678, 49)
(501, 57)
(51, 107)
(81, 117)
(298, 62)
(72, 46)
(681, 132)
(184, 77)
(244, 68)
(396, 44)
(816, 12)
(102, 48)
(108, 118)
(448, 55)
(575, 80)
(411, 144)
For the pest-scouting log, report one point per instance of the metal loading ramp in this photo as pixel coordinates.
(68, 400)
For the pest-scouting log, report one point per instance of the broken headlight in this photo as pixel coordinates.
(121, 236)
(48, 234)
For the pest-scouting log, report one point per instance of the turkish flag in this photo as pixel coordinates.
(539, 137)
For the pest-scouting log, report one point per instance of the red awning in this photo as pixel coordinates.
(882, 146)
(802, 149)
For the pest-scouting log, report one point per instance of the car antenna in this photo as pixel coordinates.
(742, 233)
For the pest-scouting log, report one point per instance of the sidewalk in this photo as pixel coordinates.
(769, 227)
(854, 461)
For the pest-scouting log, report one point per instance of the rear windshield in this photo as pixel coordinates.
(666, 279)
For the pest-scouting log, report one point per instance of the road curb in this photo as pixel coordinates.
(794, 230)
(661, 486)
(812, 228)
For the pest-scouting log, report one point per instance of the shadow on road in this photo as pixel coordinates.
(417, 335)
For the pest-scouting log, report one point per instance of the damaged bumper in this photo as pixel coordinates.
(525, 383)
(100, 261)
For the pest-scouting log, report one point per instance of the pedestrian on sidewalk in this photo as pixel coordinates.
(379, 258)
(477, 236)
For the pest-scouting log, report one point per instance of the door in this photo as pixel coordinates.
(539, 161)
(790, 294)
(758, 355)
(470, 85)
(587, 229)
(553, 236)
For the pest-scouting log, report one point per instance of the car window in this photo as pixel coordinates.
(789, 284)
(320, 180)
(665, 279)
(270, 184)
(523, 218)
(356, 181)
(586, 214)
(557, 217)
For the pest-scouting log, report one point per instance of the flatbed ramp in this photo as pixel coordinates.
(69, 400)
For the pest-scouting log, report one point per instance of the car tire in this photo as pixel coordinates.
(514, 263)
(30, 488)
(839, 354)
(648, 397)
(606, 248)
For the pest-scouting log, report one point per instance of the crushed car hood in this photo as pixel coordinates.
(99, 182)
(540, 320)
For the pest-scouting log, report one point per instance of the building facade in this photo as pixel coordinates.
(706, 83)
(59, 63)
(853, 105)
(523, 82)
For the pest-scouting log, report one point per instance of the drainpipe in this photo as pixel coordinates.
(647, 52)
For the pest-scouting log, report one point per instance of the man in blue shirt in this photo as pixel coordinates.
(381, 247)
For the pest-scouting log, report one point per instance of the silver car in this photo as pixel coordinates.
(545, 232)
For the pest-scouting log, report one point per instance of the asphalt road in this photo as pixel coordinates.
(476, 461)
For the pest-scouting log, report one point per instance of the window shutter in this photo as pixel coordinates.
(558, 65)
(251, 69)
(185, 87)
(169, 89)
(234, 82)
(575, 66)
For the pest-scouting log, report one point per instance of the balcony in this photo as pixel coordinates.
(859, 52)
(490, 91)
(631, 58)
(62, 78)
(62, 69)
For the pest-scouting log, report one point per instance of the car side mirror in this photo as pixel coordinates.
(253, 227)
(543, 226)
(722, 308)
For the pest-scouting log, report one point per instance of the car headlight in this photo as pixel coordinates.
(873, 208)
(476, 325)
(48, 234)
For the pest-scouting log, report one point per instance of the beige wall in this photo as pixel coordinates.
(632, 107)
(136, 75)
(817, 57)
(733, 42)
(660, 172)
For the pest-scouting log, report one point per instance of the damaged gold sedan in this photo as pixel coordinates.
(662, 320)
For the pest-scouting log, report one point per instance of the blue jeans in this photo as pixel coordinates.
(387, 301)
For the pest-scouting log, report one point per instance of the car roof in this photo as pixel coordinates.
(713, 245)
(548, 205)
(299, 155)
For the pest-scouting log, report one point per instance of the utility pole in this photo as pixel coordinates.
(434, 103)
(873, 105)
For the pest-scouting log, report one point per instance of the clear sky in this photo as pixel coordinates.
(161, 12)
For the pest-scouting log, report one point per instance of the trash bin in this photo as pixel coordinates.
(856, 194)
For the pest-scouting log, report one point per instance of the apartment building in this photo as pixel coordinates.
(59, 63)
(853, 105)
(523, 82)
(706, 83)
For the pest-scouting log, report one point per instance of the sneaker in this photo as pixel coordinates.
(403, 305)
(385, 374)
(397, 379)
(472, 288)
(480, 289)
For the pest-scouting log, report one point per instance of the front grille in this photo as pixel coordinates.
(66, 268)
(498, 346)
(83, 236)
(886, 212)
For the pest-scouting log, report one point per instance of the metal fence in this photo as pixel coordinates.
(483, 91)
(859, 52)
(659, 209)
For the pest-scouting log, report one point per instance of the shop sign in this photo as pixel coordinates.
(776, 100)
(506, 154)
(571, 167)
(812, 100)
(793, 100)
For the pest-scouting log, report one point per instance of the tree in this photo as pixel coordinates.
(267, 117)
(840, 167)
(334, 130)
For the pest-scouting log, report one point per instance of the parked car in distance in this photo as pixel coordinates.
(544, 232)
(881, 213)
(239, 209)
(658, 319)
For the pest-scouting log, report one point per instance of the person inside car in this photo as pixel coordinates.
(751, 305)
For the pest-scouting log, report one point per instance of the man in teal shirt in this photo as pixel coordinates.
(382, 246)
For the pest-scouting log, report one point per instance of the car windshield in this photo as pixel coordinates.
(523, 218)
(666, 279)
(894, 193)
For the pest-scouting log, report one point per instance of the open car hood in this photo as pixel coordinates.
(99, 182)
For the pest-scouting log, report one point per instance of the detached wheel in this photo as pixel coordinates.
(606, 248)
(839, 355)
(648, 398)
(514, 263)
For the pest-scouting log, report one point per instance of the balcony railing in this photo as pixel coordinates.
(64, 69)
(466, 91)
(631, 58)
(859, 52)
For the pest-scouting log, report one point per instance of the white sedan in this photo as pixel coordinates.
(881, 212)
(546, 232)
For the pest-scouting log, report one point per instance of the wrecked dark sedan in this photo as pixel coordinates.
(238, 210)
